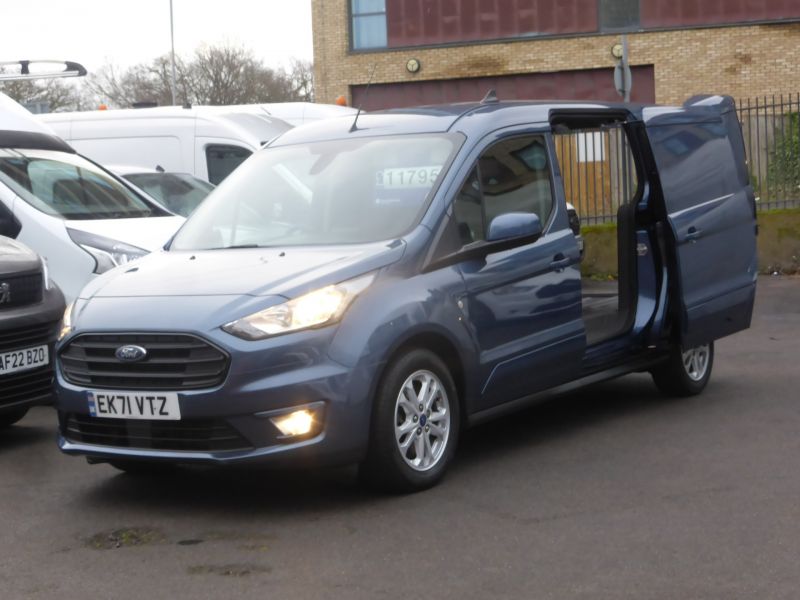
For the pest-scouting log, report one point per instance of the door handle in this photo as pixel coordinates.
(693, 234)
(560, 262)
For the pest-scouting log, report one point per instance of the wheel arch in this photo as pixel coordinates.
(444, 348)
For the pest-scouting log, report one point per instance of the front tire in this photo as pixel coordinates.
(415, 425)
(686, 372)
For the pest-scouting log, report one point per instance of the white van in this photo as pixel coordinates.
(208, 144)
(81, 218)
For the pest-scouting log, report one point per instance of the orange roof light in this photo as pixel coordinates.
(341, 101)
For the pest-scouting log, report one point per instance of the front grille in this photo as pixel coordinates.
(20, 290)
(173, 362)
(26, 386)
(26, 337)
(200, 435)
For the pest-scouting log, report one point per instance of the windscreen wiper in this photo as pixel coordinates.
(238, 246)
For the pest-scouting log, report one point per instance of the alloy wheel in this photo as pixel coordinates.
(422, 420)
(695, 362)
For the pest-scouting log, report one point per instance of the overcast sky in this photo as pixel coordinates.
(125, 32)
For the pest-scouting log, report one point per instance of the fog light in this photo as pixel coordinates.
(297, 423)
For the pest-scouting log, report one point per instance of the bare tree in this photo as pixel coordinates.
(140, 83)
(223, 75)
(56, 94)
(217, 75)
(301, 76)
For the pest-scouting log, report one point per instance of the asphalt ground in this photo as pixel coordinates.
(613, 492)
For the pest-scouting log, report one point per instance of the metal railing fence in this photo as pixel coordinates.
(771, 129)
(599, 175)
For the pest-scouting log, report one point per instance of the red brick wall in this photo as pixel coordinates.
(587, 84)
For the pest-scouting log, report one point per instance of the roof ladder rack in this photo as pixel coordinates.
(21, 69)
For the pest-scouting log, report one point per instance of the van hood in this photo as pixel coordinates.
(148, 233)
(287, 272)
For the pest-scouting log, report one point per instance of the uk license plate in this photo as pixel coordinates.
(154, 406)
(23, 360)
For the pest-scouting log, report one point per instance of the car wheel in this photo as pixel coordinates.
(686, 372)
(415, 425)
(7, 419)
(143, 468)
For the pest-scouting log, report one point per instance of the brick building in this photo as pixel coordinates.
(431, 51)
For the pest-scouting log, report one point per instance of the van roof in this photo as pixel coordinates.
(256, 128)
(476, 118)
(294, 113)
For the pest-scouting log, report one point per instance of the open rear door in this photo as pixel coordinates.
(710, 206)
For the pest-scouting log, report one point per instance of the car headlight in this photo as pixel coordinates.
(66, 321)
(315, 309)
(107, 253)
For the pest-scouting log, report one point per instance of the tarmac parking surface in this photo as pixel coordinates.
(612, 492)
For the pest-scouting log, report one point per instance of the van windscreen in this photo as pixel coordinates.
(323, 193)
(69, 186)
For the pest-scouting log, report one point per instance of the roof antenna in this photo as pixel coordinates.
(354, 127)
(490, 97)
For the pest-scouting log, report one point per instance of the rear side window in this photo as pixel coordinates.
(222, 159)
(511, 176)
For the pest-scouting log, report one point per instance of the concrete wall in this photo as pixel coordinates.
(742, 61)
(778, 245)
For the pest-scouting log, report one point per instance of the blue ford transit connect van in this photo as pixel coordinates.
(362, 290)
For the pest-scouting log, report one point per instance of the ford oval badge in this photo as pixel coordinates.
(130, 353)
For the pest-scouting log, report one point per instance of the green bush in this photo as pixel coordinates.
(783, 172)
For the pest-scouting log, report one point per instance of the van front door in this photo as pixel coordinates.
(710, 207)
(523, 305)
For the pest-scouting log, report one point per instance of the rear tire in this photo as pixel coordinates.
(686, 372)
(415, 425)
(7, 419)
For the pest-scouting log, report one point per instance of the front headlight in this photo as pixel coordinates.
(315, 309)
(66, 321)
(107, 253)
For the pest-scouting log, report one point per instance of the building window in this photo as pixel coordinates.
(619, 15)
(369, 24)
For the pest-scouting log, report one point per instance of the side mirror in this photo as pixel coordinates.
(9, 226)
(505, 232)
(512, 226)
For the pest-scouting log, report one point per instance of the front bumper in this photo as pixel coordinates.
(26, 327)
(290, 371)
